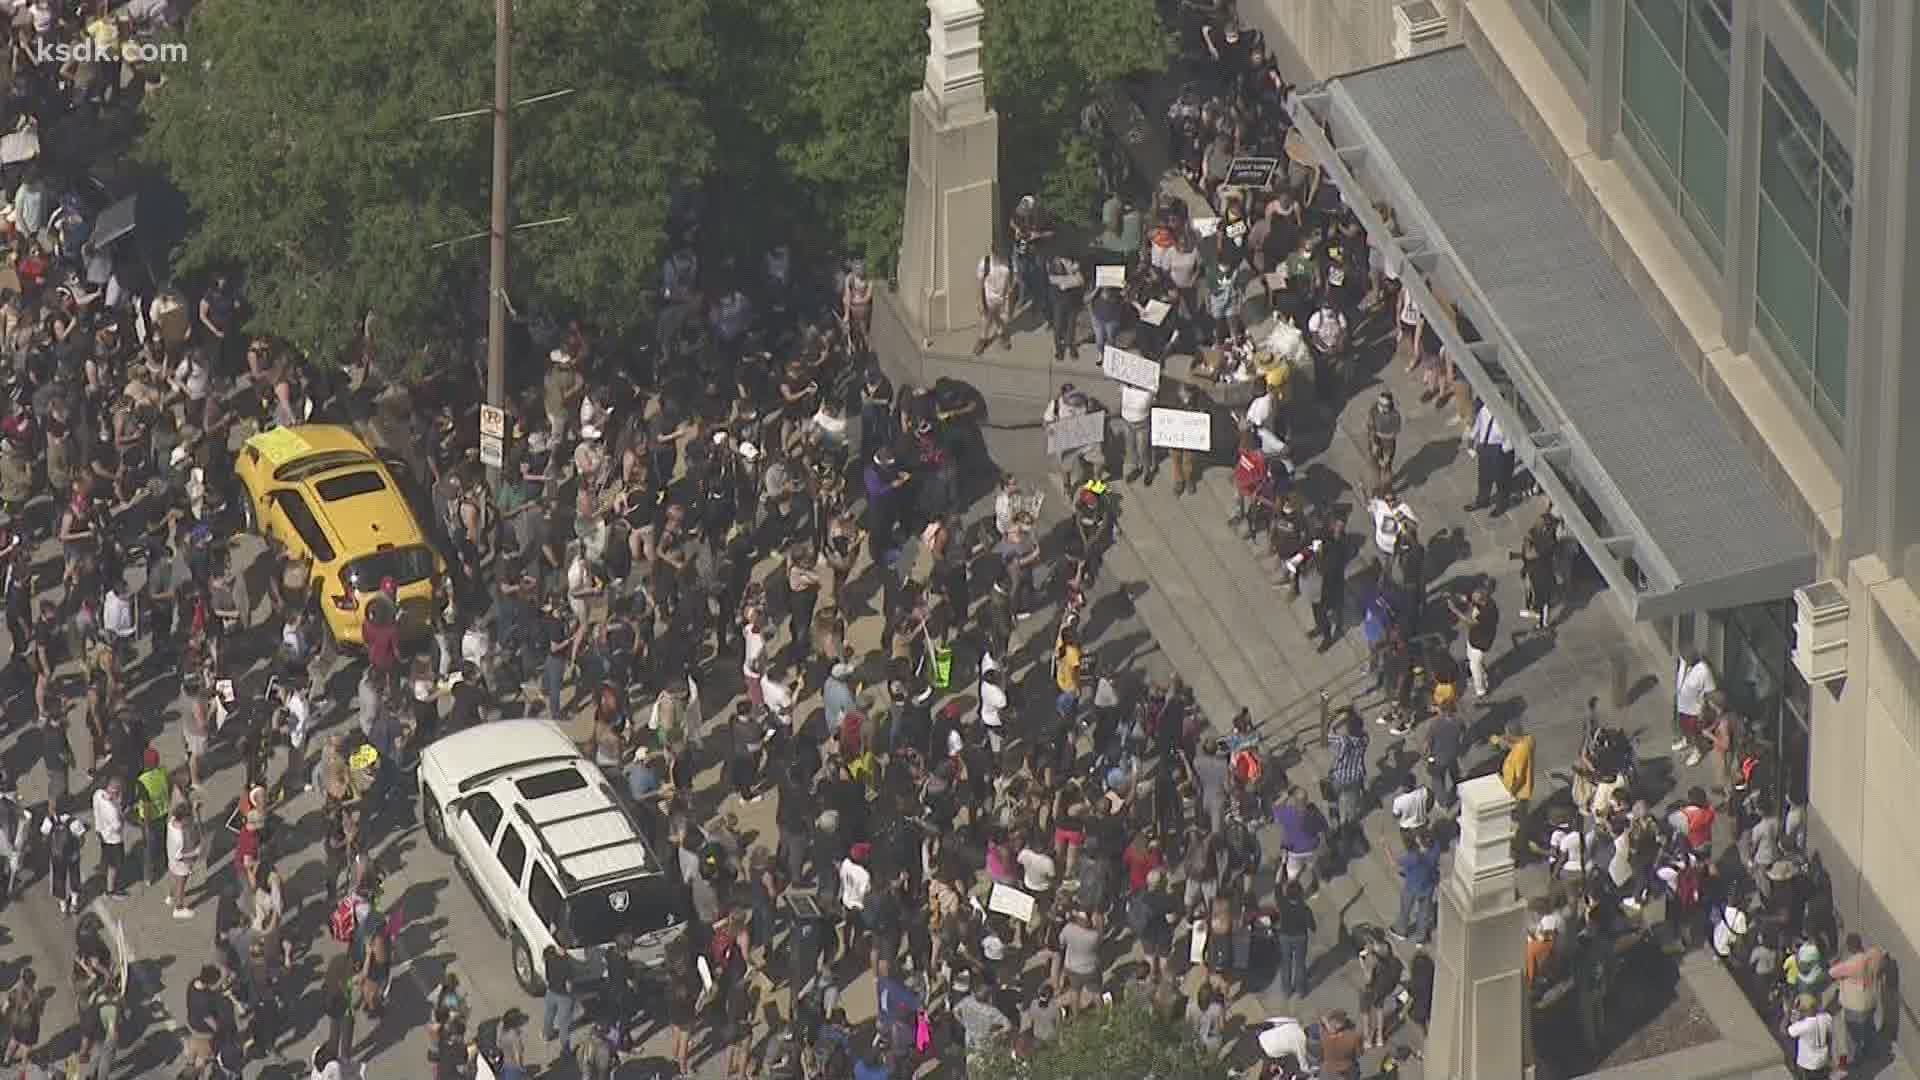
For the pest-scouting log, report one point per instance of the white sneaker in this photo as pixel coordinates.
(1528, 613)
(183, 913)
(1679, 745)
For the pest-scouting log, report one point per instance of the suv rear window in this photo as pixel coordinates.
(347, 485)
(638, 906)
(541, 785)
(404, 565)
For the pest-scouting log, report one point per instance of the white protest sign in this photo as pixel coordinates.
(1130, 368)
(1155, 312)
(1070, 433)
(1110, 277)
(1011, 902)
(1182, 429)
(1205, 226)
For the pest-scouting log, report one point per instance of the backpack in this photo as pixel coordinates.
(341, 924)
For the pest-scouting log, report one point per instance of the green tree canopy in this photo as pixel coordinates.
(1044, 60)
(1122, 1040)
(300, 136)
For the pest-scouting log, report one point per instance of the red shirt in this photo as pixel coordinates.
(383, 644)
(850, 740)
(1140, 862)
(246, 847)
(1250, 473)
(1699, 825)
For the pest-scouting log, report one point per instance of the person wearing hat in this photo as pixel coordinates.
(1811, 1028)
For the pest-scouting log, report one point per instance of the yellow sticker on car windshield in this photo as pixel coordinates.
(280, 445)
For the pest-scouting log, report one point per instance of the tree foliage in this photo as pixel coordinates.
(858, 65)
(300, 135)
(1122, 1040)
(1044, 59)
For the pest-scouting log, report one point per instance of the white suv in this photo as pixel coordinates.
(545, 843)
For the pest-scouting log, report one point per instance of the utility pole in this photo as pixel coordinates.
(499, 226)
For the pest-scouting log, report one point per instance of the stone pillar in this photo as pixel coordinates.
(1481, 1027)
(953, 175)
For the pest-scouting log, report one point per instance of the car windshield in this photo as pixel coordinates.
(637, 906)
(317, 463)
(405, 565)
(347, 485)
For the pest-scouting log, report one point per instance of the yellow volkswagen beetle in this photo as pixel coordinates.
(320, 493)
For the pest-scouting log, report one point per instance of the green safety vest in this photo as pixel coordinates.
(153, 794)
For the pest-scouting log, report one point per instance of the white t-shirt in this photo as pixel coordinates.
(1813, 1034)
(1260, 412)
(992, 701)
(1691, 687)
(1038, 868)
(854, 883)
(1136, 405)
(1329, 329)
(106, 817)
(995, 278)
(1386, 524)
(1410, 808)
(1572, 847)
(755, 642)
(778, 699)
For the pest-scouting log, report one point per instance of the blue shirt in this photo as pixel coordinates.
(1420, 870)
(838, 699)
(863, 1070)
(642, 781)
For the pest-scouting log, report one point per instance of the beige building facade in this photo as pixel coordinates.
(1750, 166)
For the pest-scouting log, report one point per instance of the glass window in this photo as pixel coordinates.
(1835, 24)
(1709, 54)
(1572, 24)
(1649, 153)
(1651, 84)
(484, 812)
(1788, 170)
(545, 899)
(1830, 360)
(1806, 241)
(1785, 290)
(1674, 103)
(513, 854)
(1703, 166)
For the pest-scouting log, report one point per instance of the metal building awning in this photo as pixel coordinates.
(1648, 477)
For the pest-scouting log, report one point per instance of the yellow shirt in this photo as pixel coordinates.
(1517, 770)
(1066, 673)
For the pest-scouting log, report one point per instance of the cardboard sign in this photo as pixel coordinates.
(1011, 902)
(1206, 226)
(1155, 312)
(1237, 230)
(493, 421)
(1253, 172)
(19, 146)
(1110, 277)
(1130, 368)
(1182, 429)
(1076, 432)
